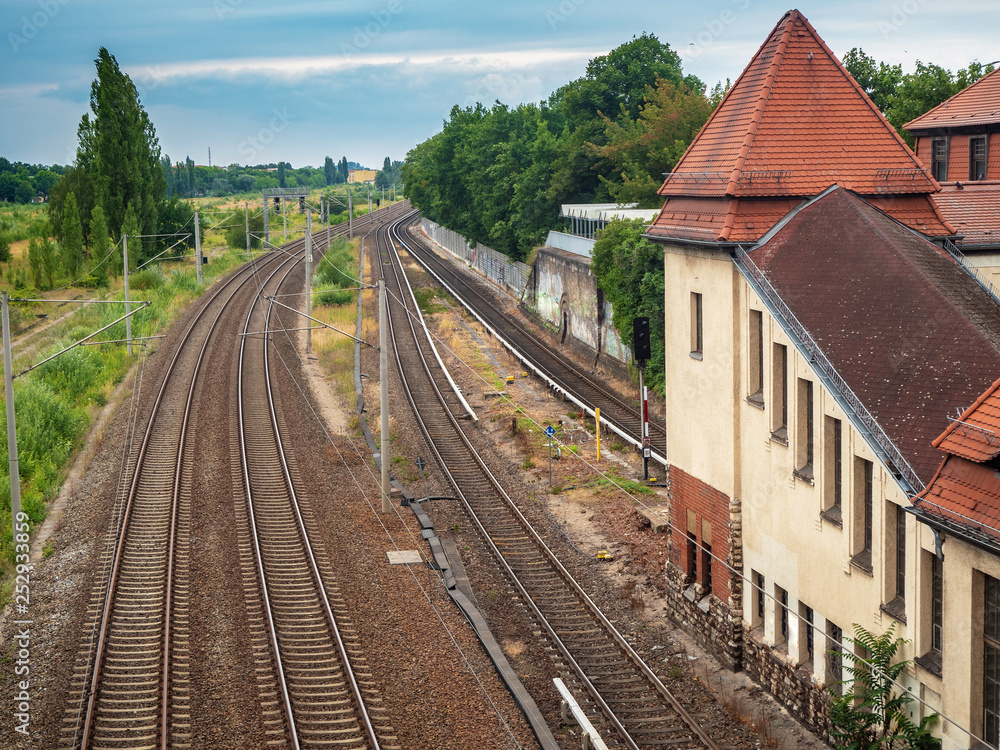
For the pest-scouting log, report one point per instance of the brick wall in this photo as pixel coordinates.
(712, 618)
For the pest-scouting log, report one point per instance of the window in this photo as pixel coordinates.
(991, 662)
(779, 384)
(937, 605)
(692, 556)
(781, 597)
(804, 442)
(706, 556)
(835, 658)
(977, 157)
(756, 386)
(808, 617)
(697, 326)
(900, 552)
(863, 511)
(833, 474)
(939, 158)
(895, 562)
(759, 596)
(692, 546)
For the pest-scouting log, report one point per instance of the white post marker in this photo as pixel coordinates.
(128, 320)
(8, 389)
(591, 739)
(383, 376)
(246, 224)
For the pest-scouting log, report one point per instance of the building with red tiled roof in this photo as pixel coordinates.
(958, 140)
(961, 505)
(816, 342)
(794, 123)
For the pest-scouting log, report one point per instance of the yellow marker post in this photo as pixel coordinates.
(597, 422)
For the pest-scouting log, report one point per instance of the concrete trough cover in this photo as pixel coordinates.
(404, 557)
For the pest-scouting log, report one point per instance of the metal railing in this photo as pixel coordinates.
(495, 266)
(974, 272)
(862, 418)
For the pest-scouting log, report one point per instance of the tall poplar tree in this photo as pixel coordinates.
(100, 247)
(329, 169)
(119, 150)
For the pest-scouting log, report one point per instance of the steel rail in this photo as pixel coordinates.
(553, 560)
(548, 373)
(238, 280)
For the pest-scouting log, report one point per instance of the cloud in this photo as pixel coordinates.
(306, 67)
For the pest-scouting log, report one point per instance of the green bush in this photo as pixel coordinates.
(150, 277)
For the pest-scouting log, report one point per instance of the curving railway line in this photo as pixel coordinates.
(631, 699)
(583, 387)
(131, 685)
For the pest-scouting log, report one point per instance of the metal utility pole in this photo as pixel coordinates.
(197, 247)
(267, 230)
(246, 224)
(8, 389)
(329, 221)
(284, 216)
(383, 367)
(645, 424)
(309, 260)
(128, 320)
(350, 214)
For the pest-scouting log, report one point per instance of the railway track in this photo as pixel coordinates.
(587, 390)
(131, 684)
(640, 710)
(324, 684)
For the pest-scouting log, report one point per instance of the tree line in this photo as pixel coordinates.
(498, 174)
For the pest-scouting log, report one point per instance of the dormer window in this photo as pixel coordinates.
(939, 159)
(977, 157)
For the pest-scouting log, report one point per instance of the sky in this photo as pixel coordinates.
(299, 80)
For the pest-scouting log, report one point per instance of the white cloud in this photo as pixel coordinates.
(304, 67)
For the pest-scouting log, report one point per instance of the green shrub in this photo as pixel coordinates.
(150, 277)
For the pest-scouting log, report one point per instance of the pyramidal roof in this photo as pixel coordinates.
(979, 104)
(794, 123)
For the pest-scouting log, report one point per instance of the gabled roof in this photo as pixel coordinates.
(978, 104)
(907, 329)
(794, 123)
(965, 492)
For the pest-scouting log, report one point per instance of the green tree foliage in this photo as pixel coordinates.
(344, 168)
(498, 175)
(236, 230)
(119, 150)
(871, 713)
(176, 220)
(282, 181)
(389, 175)
(100, 248)
(329, 169)
(629, 270)
(72, 238)
(75, 181)
(169, 176)
(904, 97)
(4, 249)
(48, 259)
(35, 261)
(640, 150)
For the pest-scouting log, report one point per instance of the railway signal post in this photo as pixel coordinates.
(641, 352)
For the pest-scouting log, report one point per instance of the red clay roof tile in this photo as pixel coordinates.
(973, 210)
(978, 104)
(794, 123)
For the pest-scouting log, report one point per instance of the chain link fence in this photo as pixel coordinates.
(496, 267)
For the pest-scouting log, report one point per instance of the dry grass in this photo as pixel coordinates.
(513, 649)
